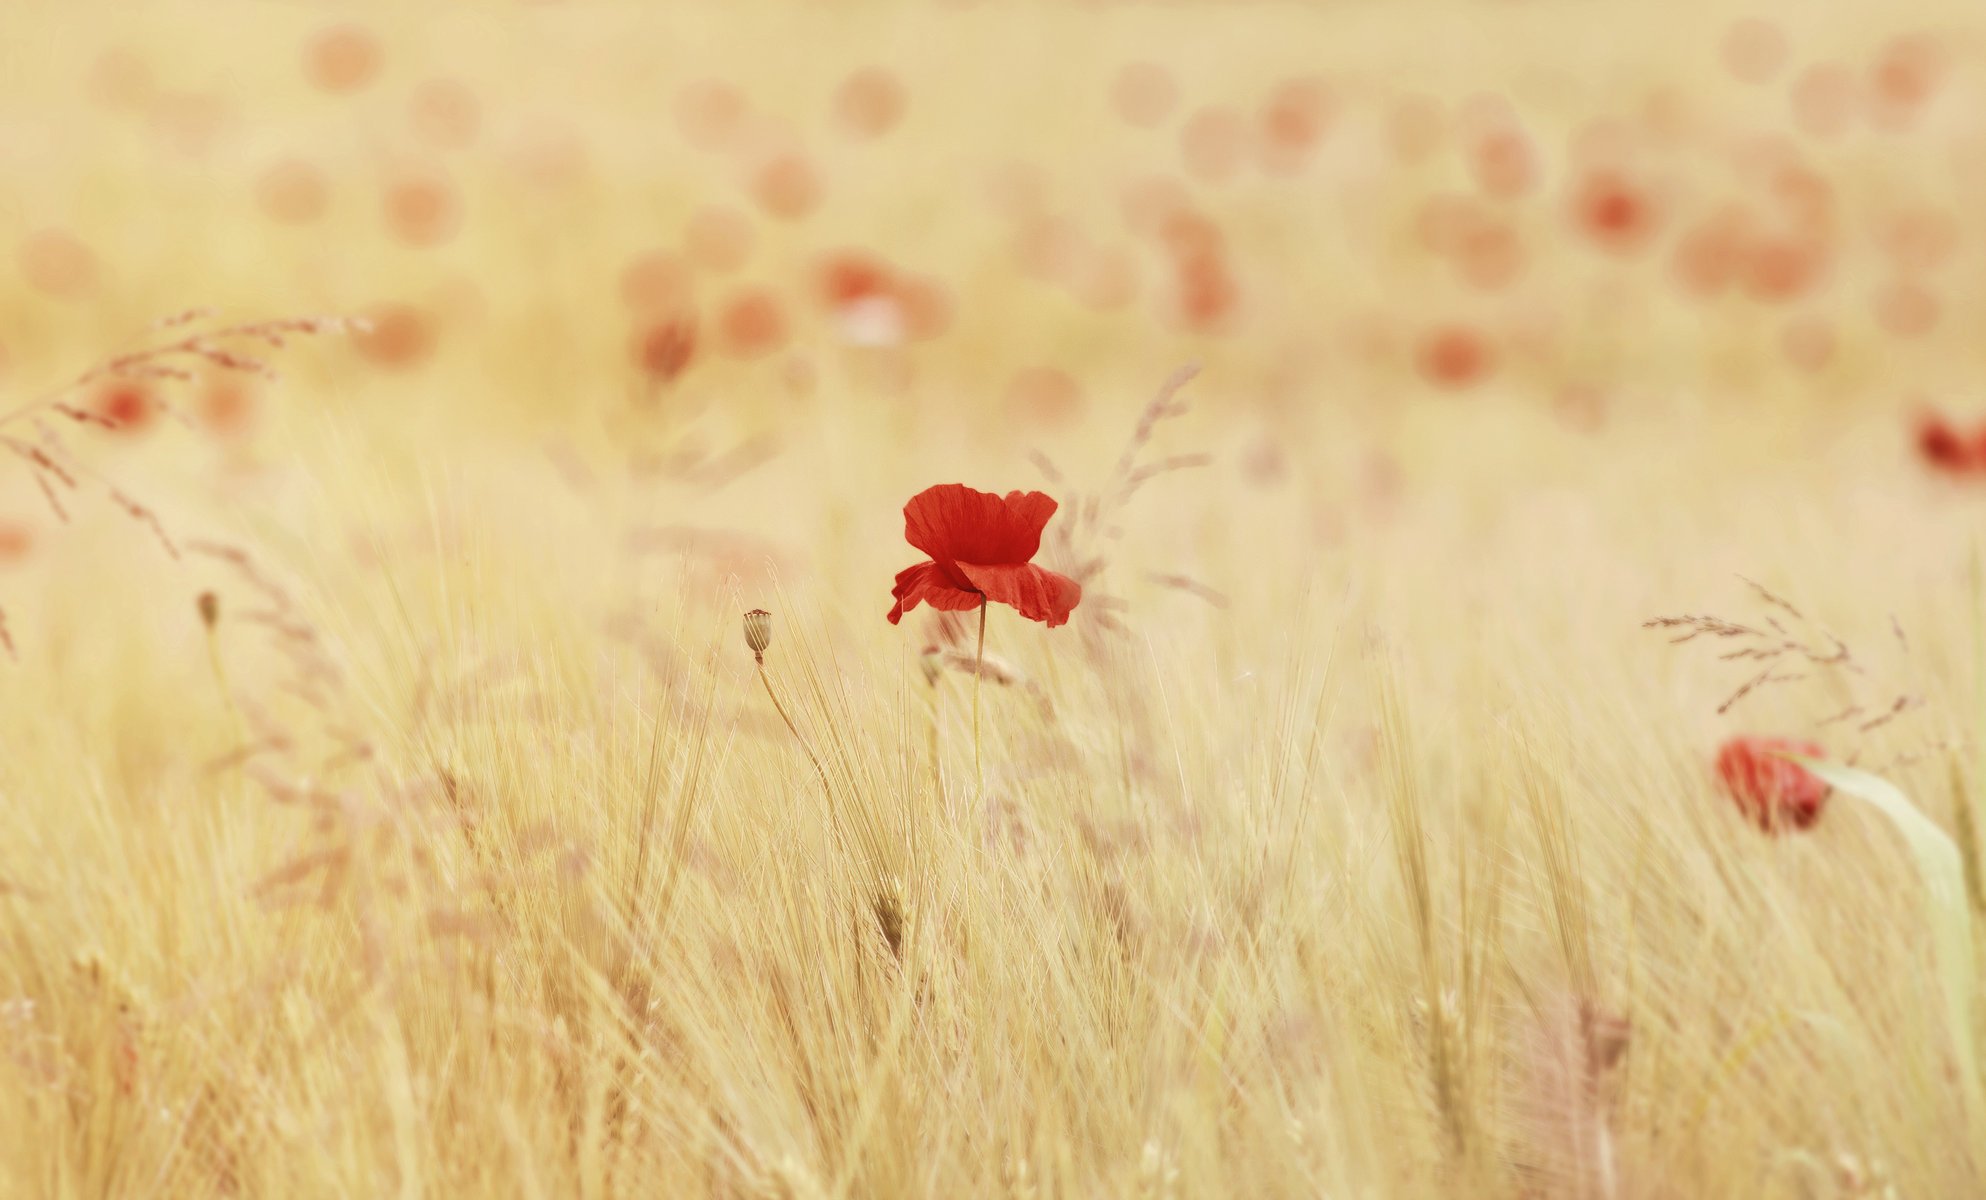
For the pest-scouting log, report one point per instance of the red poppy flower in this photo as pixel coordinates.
(1775, 792)
(980, 544)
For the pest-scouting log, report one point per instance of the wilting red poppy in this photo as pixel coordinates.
(980, 544)
(1775, 792)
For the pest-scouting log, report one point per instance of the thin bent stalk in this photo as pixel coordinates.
(978, 669)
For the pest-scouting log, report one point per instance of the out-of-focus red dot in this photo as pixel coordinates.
(751, 324)
(1616, 213)
(191, 122)
(57, 263)
(1581, 407)
(664, 348)
(1045, 396)
(1669, 115)
(1443, 220)
(127, 404)
(1918, 239)
(1489, 255)
(16, 541)
(787, 187)
(719, 239)
(1454, 356)
(1415, 125)
(1755, 50)
(1483, 247)
(1107, 279)
(122, 80)
(1905, 309)
(1808, 343)
(399, 336)
(1191, 234)
(1211, 144)
(1825, 98)
(1710, 256)
(1208, 293)
(1779, 269)
(423, 210)
(870, 103)
(342, 58)
(226, 405)
(850, 276)
(1144, 94)
(1805, 195)
(710, 113)
(1016, 189)
(445, 114)
(1503, 162)
(552, 155)
(1908, 71)
(926, 305)
(656, 281)
(1048, 247)
(1148, 203)
(292, 192)
(1293, 120)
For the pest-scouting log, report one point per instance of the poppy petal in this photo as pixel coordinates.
(1039, 594)
(925, 583)
(954, 523)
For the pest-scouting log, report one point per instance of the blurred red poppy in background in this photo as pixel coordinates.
(980, 544)
(1943, 446)
(1775, 792)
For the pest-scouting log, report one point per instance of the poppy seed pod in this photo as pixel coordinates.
(758, 632)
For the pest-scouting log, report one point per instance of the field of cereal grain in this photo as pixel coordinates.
(1486, 437)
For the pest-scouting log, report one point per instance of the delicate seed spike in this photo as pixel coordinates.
(758, 632)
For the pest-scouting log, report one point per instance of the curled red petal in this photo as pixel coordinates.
(1776, 793)
(954, 523)
(926, 583)
(1037, 592)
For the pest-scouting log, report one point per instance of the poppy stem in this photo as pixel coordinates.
(781, 710)
(978, 669)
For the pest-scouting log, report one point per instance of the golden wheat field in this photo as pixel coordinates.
(1495, 709)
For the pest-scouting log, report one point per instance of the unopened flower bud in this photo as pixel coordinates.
(758, 632)
(210, 609)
